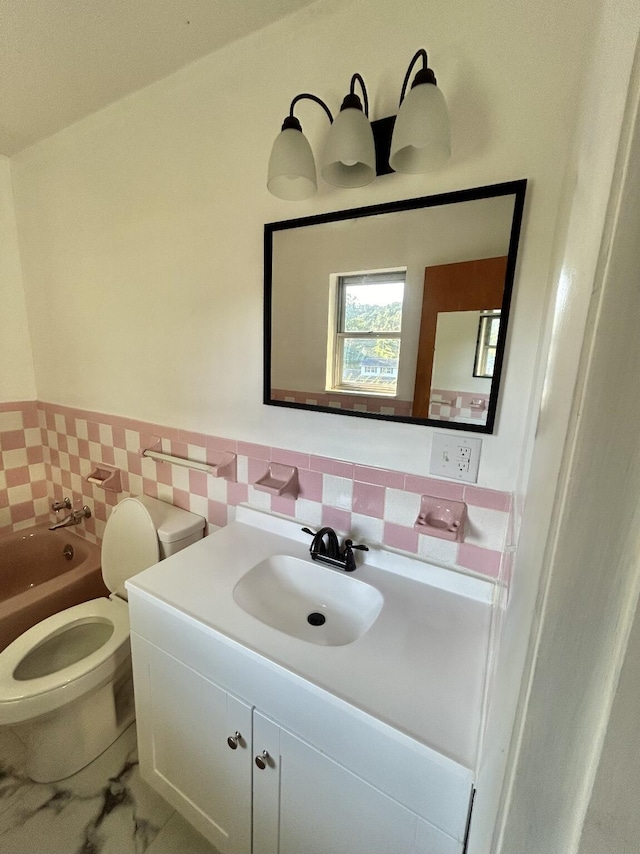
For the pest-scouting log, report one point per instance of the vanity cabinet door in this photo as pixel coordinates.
(306, 802)
(184, 721)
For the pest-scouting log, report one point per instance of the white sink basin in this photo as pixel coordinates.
(308, 601)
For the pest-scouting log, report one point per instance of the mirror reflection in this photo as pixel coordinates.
(396, 311)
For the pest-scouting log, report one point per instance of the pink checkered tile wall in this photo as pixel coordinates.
(23, 482)
(374, 505)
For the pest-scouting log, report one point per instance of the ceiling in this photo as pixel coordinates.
(61, 60)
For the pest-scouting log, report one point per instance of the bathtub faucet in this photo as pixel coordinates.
(74, 518)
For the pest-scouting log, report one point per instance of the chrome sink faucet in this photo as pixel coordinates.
(73, 518)
(325, 547)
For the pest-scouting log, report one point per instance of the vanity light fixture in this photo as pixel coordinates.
(417, 140)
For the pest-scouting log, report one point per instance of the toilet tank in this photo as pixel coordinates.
(176, 528)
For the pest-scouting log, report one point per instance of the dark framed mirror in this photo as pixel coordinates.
(396, 311)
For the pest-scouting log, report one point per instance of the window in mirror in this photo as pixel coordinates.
(487, 345)
(367, 332)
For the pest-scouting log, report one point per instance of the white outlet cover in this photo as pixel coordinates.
(455, 457)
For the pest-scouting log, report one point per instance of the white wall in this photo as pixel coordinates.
(16, 376)
(141, 226)
(455, 352)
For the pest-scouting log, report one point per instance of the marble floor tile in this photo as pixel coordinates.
(106, 808)
(178, 837)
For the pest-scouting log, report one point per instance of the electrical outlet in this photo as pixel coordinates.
(455, 457)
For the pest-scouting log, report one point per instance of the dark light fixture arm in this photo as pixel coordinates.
(352, 91)
(309, 97)
(425, 75)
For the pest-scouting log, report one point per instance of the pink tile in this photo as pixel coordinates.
(108, 456)
(134, 463)
(310, 485)
(198, 482)
(217, 513)
(11, 440)
(255, 469)
(149, 487)
(179, 449)
(181, 498)
(285, 506)
(62, 443)
(237, 493)
(433, 486)
(83, 449)
(218, 443)
(368, 499)
(39, 489)
(22, 512)
(399, 537)
(188, 437)
(74, 464)
(93, 431)
(330, 466)
(335, 518)
(383, 477)
(100, 510)
(30, 416)
(164, 473)
(258, 452)
(484, 561)
(290, 458)
(18, 476)
(34, 455)
(55, 458)
(489, 498)
(119, 438)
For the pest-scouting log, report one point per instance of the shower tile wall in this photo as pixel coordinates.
(375, 505)
(23, 483)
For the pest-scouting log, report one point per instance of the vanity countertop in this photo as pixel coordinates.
(420, 668)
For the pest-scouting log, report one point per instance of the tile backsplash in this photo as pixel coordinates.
(47, 452)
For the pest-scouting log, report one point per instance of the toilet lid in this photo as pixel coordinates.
(130, 544)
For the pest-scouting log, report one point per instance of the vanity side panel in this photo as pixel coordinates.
(431, 785)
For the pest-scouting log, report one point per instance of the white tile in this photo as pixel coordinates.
(52, 439)
(217, 489)
(11, 421)
(486, 528)
(308, 512)
(3, 479)
(135, 484)
(95, 452)
(19, 494)
(337, 491)
(180, 477)
(197, 453)
(120, 458)
(60, 422)
(178, 837)
(260, 499)
(14, 459)
(366, 529)
(198, 504)
(36, 472)
(132, 441)
(65, 464)
(82, 431)
(72, 445)
(32, 437)
(437, 550)
(400, 507)
(106, 434)
(242, 471)
(165, 493)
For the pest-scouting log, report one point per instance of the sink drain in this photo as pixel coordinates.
(316, 619)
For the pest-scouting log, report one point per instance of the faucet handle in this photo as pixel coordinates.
(65, 504)
(349, 544)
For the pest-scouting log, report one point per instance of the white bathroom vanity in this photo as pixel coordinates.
(274, 736)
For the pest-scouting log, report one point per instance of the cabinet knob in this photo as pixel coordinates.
(234, 740)
(262, 760)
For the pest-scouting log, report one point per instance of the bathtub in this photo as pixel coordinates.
(38, 580)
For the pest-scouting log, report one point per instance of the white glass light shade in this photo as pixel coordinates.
(292, 169)
(349, 157)
(421, 138)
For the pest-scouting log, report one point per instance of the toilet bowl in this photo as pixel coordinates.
(65, 684)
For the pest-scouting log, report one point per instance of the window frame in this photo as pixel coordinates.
(339, 336)
(483, 347)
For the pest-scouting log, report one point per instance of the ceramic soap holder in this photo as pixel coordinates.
(279, 480)
(441, 517)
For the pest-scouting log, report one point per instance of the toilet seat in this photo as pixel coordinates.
(24, 699)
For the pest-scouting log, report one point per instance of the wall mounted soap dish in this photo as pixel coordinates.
(279, 480)
(106, 477)
(441, 517)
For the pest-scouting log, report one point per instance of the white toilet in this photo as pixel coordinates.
(65, 684)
